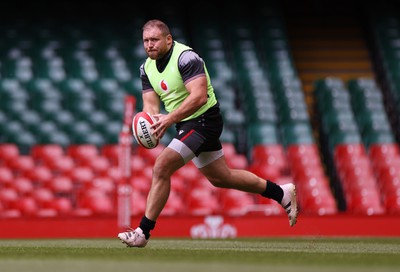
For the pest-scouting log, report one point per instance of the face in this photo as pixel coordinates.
(155, 43)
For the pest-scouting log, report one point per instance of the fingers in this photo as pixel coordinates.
(161, 125)
(158, 129)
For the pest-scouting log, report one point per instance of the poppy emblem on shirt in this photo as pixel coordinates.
(164, 85)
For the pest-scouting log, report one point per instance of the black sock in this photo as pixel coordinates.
(273, 191)
(147, 225)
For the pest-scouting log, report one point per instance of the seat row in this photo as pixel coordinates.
(352, 124)
(82, 180)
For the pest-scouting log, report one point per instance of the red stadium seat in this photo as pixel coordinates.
(43, 196)
(354, 166)
(388, 172)
(295, 152)
(22, 164)
(189, 172)
(201, 183)
(346, 151)
(10, 213)
(111, 152)
(47, 212)
(178, 184)
(349, 154)
(392, 203)
(237, 161)
(201, 201)
(47, 152)
(140, 183)
(365, 202)
(6, 177)
(138, 203)
(174, 205)
(392, 163)
(310, 161)
(315, 196)
(8, 152)
(62, 205)
(100, 165)
(27, 206)
(97, 202)
(270, 155)
(265, 171)
(149, 155)
(61, 185)
(104, 184)
(40, 174)
(236, 202)
(320, 204)
(390, 183)
(114, 173)
(23, 185)
(320, 182)
(381, 151)
(357, 182)
(302, 173)
(229, 149)
(138, 164)
(83, 153)
(8, 196)
(263, 152)
(62, 165)
(385, 162)
(82, 212)
(305, 162)
(81, 175)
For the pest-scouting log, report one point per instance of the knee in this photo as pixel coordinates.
(162, 170)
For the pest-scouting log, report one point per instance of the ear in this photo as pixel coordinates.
(169, 39)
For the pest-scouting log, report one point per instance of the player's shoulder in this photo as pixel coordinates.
(189, 56)
(142, 69)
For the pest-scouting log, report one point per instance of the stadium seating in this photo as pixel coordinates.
(349, 166)
(314, 190)
(378, 137)
(61, 111)
(368, 106)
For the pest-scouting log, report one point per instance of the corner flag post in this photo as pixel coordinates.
(124, 163)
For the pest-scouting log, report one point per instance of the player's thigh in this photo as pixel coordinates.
(168, 162)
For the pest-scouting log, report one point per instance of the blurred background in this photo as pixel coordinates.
(309, 92)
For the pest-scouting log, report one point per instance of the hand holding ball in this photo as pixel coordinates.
(141, 123)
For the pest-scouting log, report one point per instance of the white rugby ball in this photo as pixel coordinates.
(141, 130)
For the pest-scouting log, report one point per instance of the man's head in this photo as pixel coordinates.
(157, 39)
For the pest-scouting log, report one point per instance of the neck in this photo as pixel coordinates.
(162, 62)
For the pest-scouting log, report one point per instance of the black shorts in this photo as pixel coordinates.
(202, 133)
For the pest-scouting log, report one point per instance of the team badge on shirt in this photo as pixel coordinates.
(164, 86)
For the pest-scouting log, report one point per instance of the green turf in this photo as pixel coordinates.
(294, 254)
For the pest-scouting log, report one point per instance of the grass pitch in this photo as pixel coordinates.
(278, 255)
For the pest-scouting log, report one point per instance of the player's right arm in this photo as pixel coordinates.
(151, 100)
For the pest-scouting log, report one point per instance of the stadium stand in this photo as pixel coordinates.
(349, 164)
(61, 111)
